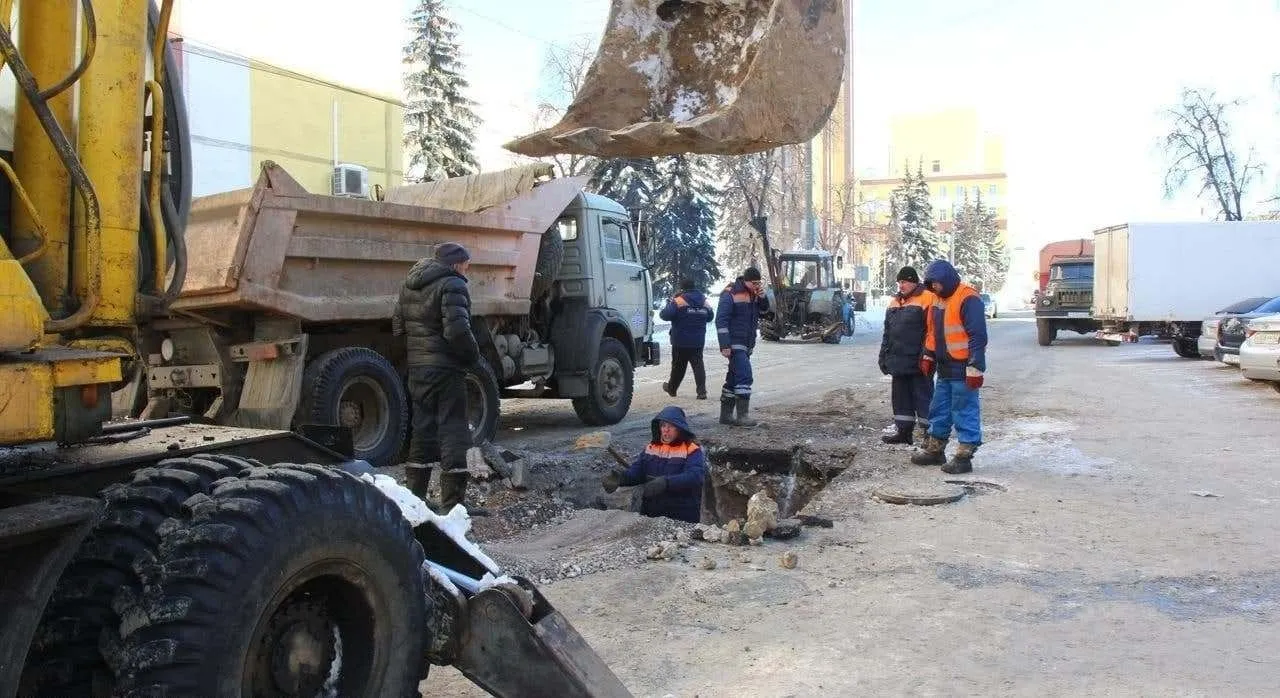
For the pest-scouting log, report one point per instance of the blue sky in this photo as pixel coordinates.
(1075, 87)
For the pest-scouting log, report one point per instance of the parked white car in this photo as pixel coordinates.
(1260, 353)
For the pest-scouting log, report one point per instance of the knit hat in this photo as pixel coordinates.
(451, 253)
(751, 274)
(908, 274)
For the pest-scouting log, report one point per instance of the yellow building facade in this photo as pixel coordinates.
(959, 160)
(243, 112)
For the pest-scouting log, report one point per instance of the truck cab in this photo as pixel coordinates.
(1067, 299)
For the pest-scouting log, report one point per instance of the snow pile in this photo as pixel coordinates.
(414, 510)
(456, 524)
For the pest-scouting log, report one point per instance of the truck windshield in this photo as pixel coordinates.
(1071, 272)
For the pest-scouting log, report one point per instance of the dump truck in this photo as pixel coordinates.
(806, 299)
(1163, 279)
(188, 555)
(284, 317)
(1065, 299)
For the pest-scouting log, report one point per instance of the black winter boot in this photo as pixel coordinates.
(744, 407)
(962, 461)
(932, 452)
(726, 411)
(901, 436)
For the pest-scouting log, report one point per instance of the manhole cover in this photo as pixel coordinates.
(978, 486)
(921, 497)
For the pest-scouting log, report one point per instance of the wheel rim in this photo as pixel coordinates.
(363, 408)
(477, 406)
(610, 381)
(318, 636)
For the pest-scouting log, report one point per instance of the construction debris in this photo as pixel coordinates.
(789, 560)
(706, 563)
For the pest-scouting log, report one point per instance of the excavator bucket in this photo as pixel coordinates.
(703, 76)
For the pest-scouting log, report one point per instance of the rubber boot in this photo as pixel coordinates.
(901, 436)
(744, 408)
(932, 452)
(453, 489)
(962, 461)
(726, 411)
(417, 477)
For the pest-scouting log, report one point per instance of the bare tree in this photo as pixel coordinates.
(565, 69)
(1199, 143)
(749, 183)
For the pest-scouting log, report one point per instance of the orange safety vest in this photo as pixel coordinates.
(952, 324)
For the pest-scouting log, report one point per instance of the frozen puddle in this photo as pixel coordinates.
(1038, 442)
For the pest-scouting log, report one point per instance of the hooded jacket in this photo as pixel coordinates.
(688, 314)
(904, 328)
(434, 312)
(738, 316)
(971, 316)
(682, 463)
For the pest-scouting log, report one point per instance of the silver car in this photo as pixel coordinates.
(1260, 352)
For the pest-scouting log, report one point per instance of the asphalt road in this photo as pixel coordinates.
(1132, 546)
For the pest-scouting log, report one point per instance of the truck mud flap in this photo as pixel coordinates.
(542, 655)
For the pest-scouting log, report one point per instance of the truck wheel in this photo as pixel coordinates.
(611, 385)
(550, 257)
(1045, 332)
(1186, 348)
(483, 403)
(64, 659)
(295, 580)
(358, 388)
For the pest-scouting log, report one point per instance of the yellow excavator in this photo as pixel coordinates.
(168, 557)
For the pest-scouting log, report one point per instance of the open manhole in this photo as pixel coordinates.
(791, 475)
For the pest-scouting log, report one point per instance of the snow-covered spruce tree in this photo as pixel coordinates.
(684, 224)
(919, 240)
(439, 121)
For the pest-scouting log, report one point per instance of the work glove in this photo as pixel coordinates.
(655, 486)
(611, 481)
(926, 365)
(972, 377)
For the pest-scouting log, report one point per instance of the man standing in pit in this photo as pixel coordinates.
(900, 351)
(434, 312)
(737, 319)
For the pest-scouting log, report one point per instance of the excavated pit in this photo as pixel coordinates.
(792, 475)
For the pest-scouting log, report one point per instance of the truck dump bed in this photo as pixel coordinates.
(278, 248)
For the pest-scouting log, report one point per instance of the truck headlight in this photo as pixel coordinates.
(166, 349)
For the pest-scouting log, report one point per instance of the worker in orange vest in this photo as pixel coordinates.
(955, 346)
(900, 351)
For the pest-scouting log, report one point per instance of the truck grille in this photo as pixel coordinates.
(1075, 298)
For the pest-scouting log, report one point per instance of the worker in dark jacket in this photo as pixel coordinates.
(434, 312)
(900, 351)
(689, 315)
(670, 470)
(737, 319)
(955, 346)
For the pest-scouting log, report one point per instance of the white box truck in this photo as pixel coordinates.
(1163, 279)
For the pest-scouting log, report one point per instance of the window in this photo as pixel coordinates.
(1071, 272)
(807, 273)
(568, 228)
(937, 166)
(617, 243)
(1271, 306)
(993, 190)
(942, 191)
(977, 191)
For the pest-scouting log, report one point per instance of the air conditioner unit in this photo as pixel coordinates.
(351, 180)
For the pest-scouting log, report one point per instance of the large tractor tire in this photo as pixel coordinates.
(65, 659)
(295, 580)
(358, 388)
(550, 258)
(612, 385)
(483, 402)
